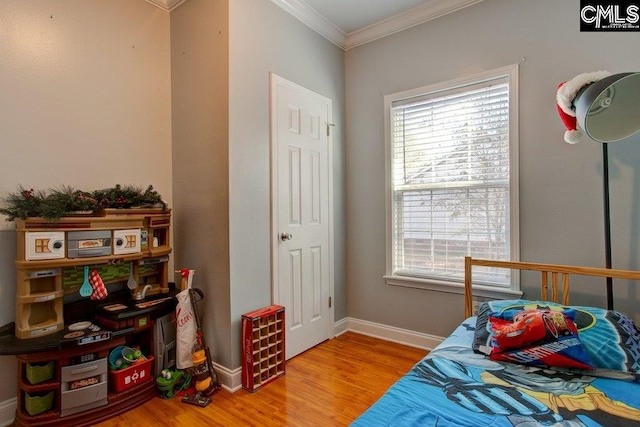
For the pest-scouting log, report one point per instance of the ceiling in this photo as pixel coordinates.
(351, 15)
(350, 23)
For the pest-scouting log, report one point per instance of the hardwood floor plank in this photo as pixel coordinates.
(328, 385)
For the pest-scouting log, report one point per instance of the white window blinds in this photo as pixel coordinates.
(450, 180)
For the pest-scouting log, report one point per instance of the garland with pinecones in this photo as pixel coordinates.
(57, 203)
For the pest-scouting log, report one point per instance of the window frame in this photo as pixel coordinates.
(488, 291)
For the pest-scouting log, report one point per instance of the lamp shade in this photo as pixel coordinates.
(608, 110)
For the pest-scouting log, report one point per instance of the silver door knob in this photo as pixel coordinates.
(285, 236)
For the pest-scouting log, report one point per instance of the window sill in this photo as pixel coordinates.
(483, 291)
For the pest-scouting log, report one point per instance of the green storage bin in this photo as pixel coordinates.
(39, 372)
(38, 403)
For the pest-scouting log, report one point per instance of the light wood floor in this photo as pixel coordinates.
(329, 385)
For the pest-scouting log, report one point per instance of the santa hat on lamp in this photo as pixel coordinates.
(567, 92)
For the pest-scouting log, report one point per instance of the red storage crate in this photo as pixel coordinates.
(263, 351)
(135, 374)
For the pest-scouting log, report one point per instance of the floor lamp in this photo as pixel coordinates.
(607, 108)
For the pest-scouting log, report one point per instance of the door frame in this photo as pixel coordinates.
(274, 81)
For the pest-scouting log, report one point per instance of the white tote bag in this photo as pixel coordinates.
(186, 328)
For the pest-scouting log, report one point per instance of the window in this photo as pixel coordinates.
(452, 178)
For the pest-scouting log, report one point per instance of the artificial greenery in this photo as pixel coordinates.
(56, 203)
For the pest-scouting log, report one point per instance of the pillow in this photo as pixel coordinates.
(610, 339)
(536, 337)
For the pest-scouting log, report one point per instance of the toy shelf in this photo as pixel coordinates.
(51, 255)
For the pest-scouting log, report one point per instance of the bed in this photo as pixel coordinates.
(469, 380)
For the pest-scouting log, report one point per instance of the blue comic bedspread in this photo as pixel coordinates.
(454, 386)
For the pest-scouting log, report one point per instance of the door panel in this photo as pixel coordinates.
(300, 209)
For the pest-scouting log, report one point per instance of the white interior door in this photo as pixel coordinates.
(301, 213)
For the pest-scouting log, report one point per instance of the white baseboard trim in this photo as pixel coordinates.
(8, 411)
(390, 333)
(341, 326)
(230, 379)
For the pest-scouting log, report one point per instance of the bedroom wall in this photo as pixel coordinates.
(263, 39)
(226, 236)
(560, 185)
(200, 103)
(85, 102)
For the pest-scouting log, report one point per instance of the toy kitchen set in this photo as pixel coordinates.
(87, 286)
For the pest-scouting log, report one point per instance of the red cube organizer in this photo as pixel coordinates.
(263, 355)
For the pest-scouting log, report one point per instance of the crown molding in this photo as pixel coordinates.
(313, 19)
(431, 9)
(166, 5)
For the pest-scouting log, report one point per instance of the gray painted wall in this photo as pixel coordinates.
(222, 54)
(263, 39)
(200, 103)
(560, 185)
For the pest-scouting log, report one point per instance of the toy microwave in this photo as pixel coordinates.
(82, 244)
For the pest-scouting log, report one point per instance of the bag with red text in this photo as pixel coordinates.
(185, 330)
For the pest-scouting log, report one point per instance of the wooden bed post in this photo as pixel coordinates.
(554, 286)
(565, 289)
(468, 295)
